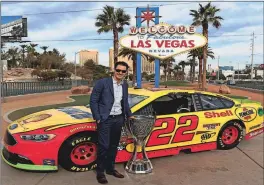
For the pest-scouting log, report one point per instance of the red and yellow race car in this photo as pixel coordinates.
(187, 120)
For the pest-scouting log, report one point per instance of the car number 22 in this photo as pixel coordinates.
(156, 137)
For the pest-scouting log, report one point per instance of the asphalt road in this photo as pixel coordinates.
(240, 166)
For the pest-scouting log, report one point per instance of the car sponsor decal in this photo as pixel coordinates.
(35, 118)
(77, 169)
(84, 127)
(90, 125)
(50, 162)
(205, 135)
(255, 133)
(246, 114)
(75, 113)
(214, 114)
(256, 126)
(211, 126)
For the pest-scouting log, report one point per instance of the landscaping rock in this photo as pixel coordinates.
(224, 89)
(80, 90)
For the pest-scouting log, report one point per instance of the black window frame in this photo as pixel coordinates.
(218, 97)
(150, 103)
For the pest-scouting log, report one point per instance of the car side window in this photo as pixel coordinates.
(211, 102)
(228, 103)
(173, 103)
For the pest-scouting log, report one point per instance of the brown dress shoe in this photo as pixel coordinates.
(101, 179)
(115, 174)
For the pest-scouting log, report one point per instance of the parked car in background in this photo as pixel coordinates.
(231, 82)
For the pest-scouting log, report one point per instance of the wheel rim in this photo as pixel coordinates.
(84, 154)
(230, 135)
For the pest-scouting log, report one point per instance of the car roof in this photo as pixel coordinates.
(156, 92)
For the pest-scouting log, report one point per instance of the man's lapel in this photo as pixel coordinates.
(111, 86)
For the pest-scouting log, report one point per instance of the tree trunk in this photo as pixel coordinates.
(193, 69)
(115, 45)
(205, 33)
(134, 72)
(190, 72)
(200, 72)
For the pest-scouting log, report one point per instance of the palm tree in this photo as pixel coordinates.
(115, 20)
(199, 52)
(23, 46)
(131, 55)
(44, 48)
(183, 64)
(166, 64)
(203, 17)
(193, 54)
(13, 54)
(176, 71)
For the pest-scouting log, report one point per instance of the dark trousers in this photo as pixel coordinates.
(109, 132)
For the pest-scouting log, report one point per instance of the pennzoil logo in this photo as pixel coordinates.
(246, 114)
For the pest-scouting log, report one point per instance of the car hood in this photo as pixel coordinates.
(53, 117)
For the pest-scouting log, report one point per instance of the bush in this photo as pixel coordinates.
(63, 74)
(48, 75)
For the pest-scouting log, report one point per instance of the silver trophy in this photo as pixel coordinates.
(140, 127)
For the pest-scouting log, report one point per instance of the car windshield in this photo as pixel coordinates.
(133, 99)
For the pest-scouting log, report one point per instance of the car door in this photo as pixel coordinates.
(213, 112)
(175, 124)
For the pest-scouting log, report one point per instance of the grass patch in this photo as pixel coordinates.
(175, 83)
(248, 101)
(237, 97)
(78, 101)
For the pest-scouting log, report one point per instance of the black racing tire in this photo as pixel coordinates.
(229, 136)
(78, 153)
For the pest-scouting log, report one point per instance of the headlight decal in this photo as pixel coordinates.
(38, 137)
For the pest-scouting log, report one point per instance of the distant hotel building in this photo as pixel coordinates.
(85, 55)
(146, 66)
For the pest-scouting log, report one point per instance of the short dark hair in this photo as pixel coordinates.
(122, 63)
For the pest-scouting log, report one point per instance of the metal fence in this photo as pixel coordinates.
(22, 88)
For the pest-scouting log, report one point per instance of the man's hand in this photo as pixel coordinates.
(132, 117)
(97, 121)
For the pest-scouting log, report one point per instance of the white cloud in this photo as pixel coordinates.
(64, 28)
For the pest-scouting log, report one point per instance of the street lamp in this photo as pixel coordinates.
(75, 81)
(238, 71)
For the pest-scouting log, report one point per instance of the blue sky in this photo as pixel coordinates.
(240, 18)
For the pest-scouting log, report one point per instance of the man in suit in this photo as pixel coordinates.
(109, 106)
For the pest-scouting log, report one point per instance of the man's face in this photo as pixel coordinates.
(120, 72)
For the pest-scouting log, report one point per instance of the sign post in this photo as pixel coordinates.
(147, 14)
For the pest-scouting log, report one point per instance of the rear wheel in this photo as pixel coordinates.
(78, 153)
(230, 136)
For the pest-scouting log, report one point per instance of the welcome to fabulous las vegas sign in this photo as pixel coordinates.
(163, 40)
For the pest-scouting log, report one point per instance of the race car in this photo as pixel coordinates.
(186, 120)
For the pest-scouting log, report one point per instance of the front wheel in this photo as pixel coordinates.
(229, 136)
(78, 153)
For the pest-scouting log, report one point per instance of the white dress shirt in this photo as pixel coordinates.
(118, 94)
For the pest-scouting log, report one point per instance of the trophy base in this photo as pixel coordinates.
(139, 167)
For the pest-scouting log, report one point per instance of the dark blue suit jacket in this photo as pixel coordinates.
(102, 99)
